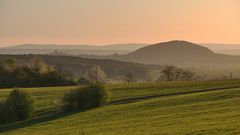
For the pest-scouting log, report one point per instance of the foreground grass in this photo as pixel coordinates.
(213, 112)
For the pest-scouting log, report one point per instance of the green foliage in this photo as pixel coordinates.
(213, 112)
(86, 97)
(18, 106)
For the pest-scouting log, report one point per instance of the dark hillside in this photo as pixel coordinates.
(177, 53)
(78, 66)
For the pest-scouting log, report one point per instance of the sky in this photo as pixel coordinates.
(100, 22)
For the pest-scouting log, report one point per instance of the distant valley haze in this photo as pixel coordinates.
(231, 49)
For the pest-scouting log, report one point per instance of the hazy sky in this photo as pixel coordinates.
(118, 21)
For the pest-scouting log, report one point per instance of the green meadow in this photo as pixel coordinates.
(176, 108)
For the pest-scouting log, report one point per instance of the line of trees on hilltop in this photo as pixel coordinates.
(35, 74)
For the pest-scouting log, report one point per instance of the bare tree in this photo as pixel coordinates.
(172, 73)
(95, 75)
(177, 73)
(187, 76)
(169, 73)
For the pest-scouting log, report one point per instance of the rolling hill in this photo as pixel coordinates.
(177, 53)
(189, 108)
(230, 49)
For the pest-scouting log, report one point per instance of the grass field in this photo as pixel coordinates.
(184, 108)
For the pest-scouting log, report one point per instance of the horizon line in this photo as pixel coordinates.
(112, 44)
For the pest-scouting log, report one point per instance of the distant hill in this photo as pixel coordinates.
(177, 53)
(231, 49)
(130, 46)
(78, 65)
(216, 47)
(71, 49)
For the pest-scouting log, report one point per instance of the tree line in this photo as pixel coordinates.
(34, 74)
(37, 73)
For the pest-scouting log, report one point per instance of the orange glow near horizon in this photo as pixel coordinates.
(107, 22)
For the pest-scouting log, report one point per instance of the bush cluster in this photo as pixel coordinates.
(18, 106)
(85, 97)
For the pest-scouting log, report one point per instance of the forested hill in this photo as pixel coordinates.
(78, 66)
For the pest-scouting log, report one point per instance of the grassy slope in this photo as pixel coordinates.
(213, 112)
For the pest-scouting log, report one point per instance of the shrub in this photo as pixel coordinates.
(90, 96)
(18, 106)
